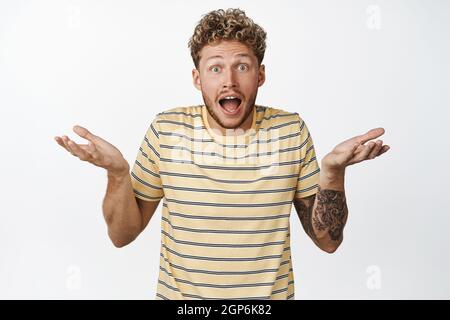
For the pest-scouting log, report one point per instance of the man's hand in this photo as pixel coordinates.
(98, 152)
(354, 150)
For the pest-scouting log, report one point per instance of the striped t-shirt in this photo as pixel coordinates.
(227, 200)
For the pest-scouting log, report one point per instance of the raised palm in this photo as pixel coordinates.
(355, 150)
(97, 151)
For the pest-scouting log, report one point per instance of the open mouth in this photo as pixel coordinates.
(230, 106)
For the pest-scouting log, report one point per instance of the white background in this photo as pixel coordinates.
(344, 66)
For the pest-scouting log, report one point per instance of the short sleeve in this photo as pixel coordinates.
(308, 180)
(145, 177)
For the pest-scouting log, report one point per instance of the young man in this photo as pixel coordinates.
(228, 171)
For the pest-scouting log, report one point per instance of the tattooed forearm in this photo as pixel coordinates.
(323, 215)
(331, 213)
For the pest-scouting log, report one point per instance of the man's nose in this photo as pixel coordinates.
(229, 79)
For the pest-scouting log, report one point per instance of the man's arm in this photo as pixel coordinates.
(324, 214)
(125, 215)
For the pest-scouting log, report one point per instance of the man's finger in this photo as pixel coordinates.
(65, 140)
(376, 149)
(371, 134)
(78, 151)
(360, 148)
(61, 143)
(84, 133)
(384, 149)
(365, 152)
(91, 147)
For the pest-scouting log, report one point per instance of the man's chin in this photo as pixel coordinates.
(230, 122)
(230, 125)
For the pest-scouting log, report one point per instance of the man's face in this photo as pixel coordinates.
(228, 76)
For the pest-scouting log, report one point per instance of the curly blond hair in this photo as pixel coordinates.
(231, 24)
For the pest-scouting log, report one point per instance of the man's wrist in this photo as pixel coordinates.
(332, 179)
(119, 174)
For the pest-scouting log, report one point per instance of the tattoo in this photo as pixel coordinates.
(330, 214)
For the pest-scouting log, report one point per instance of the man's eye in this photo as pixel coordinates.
(215, 69)
(242, 67)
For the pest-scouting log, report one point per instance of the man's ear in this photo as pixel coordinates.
(196, 79)
(261, 75)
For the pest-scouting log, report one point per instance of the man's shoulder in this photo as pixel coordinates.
(181, 113)
(178, 118)
(274, 114)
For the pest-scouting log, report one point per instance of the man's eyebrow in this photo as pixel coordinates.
(213, 57)
(244, 55)
(240, 55)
